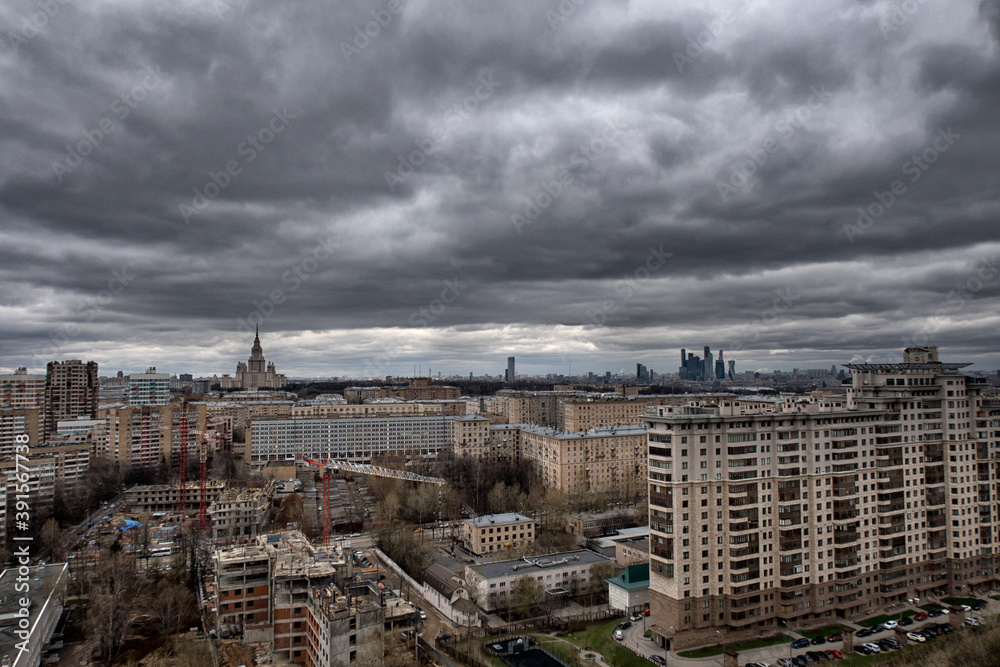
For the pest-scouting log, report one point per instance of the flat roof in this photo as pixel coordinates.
(536, 564)
(895, 368)
(597, 432)
(43, 581)
(497, 519)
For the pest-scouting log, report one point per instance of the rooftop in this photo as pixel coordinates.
(43, 581)
(633, 577)
(497, 519)
(534, 564)
(895, 368)
(598, 432)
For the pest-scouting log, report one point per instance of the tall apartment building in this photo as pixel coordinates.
(805, 511)
(416, 389)
(611, 459)
(356, 440)
(15, 422)
(21, 390)
(471, 436)
(581, 414)
(71, 391)
(149, 388)
(146, 435)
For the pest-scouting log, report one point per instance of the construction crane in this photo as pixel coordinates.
(185, 434)
(332, 467)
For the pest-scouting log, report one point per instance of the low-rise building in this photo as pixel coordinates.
(569, 571)
(43, 588)
(597, 524)
(629, 591)
(496, 532)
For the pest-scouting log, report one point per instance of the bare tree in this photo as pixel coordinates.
(117, 587)
(54, 541)
(172, 606)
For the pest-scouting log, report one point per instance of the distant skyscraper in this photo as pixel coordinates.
(510, 369)
(708, 369)
(720, 367)
(641, 373)
(256, 373)
(71, 390)
(732, 370)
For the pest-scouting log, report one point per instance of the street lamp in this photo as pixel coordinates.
(666, 646)
(912, 601)
(723, 647)
(782, 621)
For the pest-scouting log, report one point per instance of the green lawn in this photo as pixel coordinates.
(875, 620)
(709, 651)
(600, 639)
(995, 597)
(822, 632)
(929, 607)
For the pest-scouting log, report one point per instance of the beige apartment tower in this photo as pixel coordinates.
(803, 512)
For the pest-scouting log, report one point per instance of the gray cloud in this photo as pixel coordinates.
(301, 228)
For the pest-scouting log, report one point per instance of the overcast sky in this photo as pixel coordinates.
(583, 185)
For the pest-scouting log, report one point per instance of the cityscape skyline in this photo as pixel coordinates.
(582, 187)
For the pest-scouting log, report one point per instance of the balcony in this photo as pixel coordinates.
(738, 476)
(891, 507)
(746, 524)
(789, 495)
(935, 498)
(661, 499)
(845, 491)
(789, 545)
(845, 515)
(846, 562)
(790, 570)
(745, 551)
(850, 574)
(845, 467)
(844, 537)
(789, 472)
(891, 529)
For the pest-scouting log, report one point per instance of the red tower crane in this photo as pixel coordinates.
(332, 466)
(182, 455)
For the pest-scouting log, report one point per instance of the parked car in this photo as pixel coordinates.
(657, 659)
(937, 612)
(979, 607)
(785, 662)
(816, 641)
(921, 616)
(890, 624)
(863, 650)
(914, 637)
(972, 621)
(625, 624)
(645, 612)
(966, 608)
(799, 661)
(878, 628)
(635, 617)
(835, 638)
(835, 654)
(906, 620)
(619, 635)
(946, 628)
(801, 642)
(864, 632)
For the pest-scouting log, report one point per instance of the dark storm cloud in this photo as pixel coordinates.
(385, 184)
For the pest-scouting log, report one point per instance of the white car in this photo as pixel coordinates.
(619, 635)
(874, 648)
(914, 637)
(966, 608)
(890, 624)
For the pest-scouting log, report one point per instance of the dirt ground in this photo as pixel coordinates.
(234, 654)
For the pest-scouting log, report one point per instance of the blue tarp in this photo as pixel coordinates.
(129, 523)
